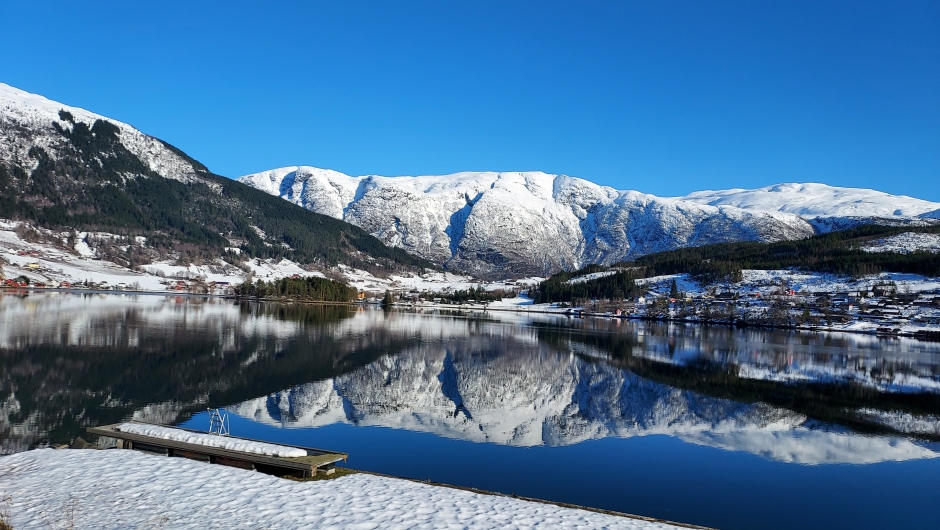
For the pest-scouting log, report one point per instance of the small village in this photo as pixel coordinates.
(880, 309)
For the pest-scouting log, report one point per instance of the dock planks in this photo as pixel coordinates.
(317, 460)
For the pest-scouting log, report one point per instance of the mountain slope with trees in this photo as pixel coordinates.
(837, 252)
(849, 252)
(71, 170)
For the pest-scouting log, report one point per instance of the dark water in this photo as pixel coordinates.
(706, 425)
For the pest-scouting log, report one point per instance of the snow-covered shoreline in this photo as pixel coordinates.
(526, 307)
(121, 489)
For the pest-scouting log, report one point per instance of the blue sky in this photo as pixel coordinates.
(663, 97)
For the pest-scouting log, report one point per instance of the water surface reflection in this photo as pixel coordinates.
(464, 397)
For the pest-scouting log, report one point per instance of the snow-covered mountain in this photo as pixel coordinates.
(537, 223)
(26, 122)
(66, 169)
(813, 200)
(523, 223)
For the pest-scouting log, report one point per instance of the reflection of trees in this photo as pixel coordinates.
(827, 402)
(831, 402)
(308, 314)
(54, 387)
(61, 389)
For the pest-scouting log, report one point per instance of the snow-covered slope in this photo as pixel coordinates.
(905, 243)
(519, 222)
(65, 168)
(26, 121)
(812, 200)
(54, 261)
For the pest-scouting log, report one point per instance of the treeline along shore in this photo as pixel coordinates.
(310, 288)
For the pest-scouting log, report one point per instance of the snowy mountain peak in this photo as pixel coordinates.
(536, 223)
(26, 120)
(520, 222)
(13, 99)
(66, 169)
(817, 200)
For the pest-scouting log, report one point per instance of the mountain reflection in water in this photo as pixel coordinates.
(72, 361)
(733, 428)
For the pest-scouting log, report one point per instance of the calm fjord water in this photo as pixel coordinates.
(715, 426)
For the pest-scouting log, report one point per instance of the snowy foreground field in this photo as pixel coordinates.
(128, 489)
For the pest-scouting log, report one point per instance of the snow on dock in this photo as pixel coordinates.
(112, 489)
(217, 448)
(211, 440)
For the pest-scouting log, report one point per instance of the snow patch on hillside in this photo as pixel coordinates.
(905, 243)
(663, 284)
(593, 276)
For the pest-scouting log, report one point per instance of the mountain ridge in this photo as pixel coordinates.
(824, 200)
(68, 168)
(536, 223)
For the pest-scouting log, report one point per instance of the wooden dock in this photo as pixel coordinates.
(320, 461)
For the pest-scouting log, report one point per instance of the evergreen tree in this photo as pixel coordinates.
(674, 290)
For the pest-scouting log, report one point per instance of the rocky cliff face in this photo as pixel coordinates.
(520, 223)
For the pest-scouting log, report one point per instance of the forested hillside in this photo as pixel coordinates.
(850, 252)
(836, 252)
(560, 288)
(82, 177)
